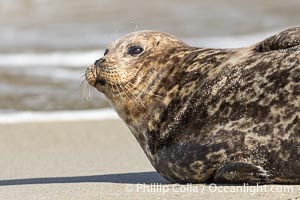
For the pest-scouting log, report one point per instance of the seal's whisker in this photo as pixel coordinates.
(152, 94)
(83, 73)
(85, 90)
(155, 95)
(133, 86)
(114, 91)
(127, 95)
(136, 97)
(119, 90)
(82, 83)
(83, 87)
(148, 93)
(137, 27)
(128, 89)
(135, 106)
(89, 94)
(116, 34)
(124, 89)
(120, 84)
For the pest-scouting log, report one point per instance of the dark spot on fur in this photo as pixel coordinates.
(265, 129)
(279, 79)
(296, 76)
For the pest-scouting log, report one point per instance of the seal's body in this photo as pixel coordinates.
(208, 115)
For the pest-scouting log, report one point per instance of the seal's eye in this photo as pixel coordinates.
(135, 50)
(106, 51)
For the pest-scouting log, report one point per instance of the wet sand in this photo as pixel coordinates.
(94, 160)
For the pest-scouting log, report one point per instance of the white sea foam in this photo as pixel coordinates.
(56, 116)
(82, 59)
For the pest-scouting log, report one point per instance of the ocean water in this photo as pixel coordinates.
(46, 45)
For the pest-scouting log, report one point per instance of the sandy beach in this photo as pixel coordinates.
(96, 160)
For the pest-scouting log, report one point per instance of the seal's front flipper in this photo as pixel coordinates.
(288, 40)
(241, 173)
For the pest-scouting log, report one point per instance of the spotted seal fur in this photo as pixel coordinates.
(208, 115)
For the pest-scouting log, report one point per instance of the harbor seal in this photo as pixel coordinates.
(204, 114)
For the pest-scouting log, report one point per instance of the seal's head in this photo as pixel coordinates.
(129, 63)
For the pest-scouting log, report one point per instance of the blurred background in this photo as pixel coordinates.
(46, 45)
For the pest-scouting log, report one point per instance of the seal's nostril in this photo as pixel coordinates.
(97, 62)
